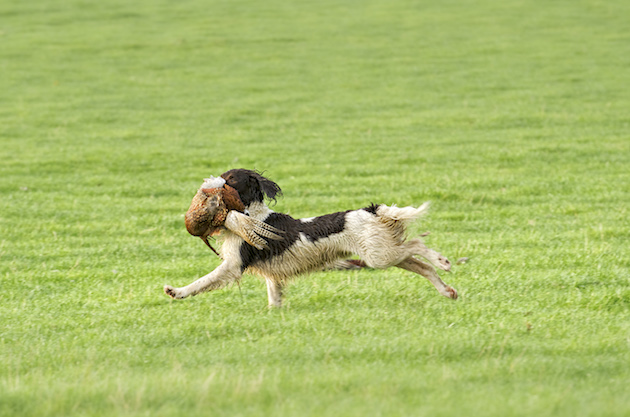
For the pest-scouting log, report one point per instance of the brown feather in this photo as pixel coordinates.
(232, 199)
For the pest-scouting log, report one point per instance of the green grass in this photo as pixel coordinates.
(510, 116)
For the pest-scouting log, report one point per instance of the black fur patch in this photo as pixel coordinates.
(317, 228)
(372, 208)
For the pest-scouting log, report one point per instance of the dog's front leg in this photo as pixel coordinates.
(224, 274)
(274, 292)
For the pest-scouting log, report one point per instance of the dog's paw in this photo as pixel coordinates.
(436, 259)
(449, 292)
(445, 265)
(172, 292)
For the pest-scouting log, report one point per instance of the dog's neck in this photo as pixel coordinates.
(258, 210)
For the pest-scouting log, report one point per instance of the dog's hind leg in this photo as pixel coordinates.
(274, 292)
(417, 247)
(220, 277)
(414, 265)
(344, 264)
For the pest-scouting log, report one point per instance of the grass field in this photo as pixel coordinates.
(512, 117)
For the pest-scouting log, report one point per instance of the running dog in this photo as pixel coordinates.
(289, 247)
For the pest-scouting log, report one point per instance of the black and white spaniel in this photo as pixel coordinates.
(376, 234)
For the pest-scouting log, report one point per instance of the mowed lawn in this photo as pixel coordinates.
(511, 117)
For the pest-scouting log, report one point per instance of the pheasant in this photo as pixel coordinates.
(216, 206)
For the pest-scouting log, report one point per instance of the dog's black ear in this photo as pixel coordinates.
(268, 187)
(251, 185)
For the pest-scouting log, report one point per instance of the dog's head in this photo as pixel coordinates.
(252, 187)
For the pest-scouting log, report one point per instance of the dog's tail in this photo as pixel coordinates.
(404, 215)
(396, 219)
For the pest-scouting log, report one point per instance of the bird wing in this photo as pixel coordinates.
(252, 231)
